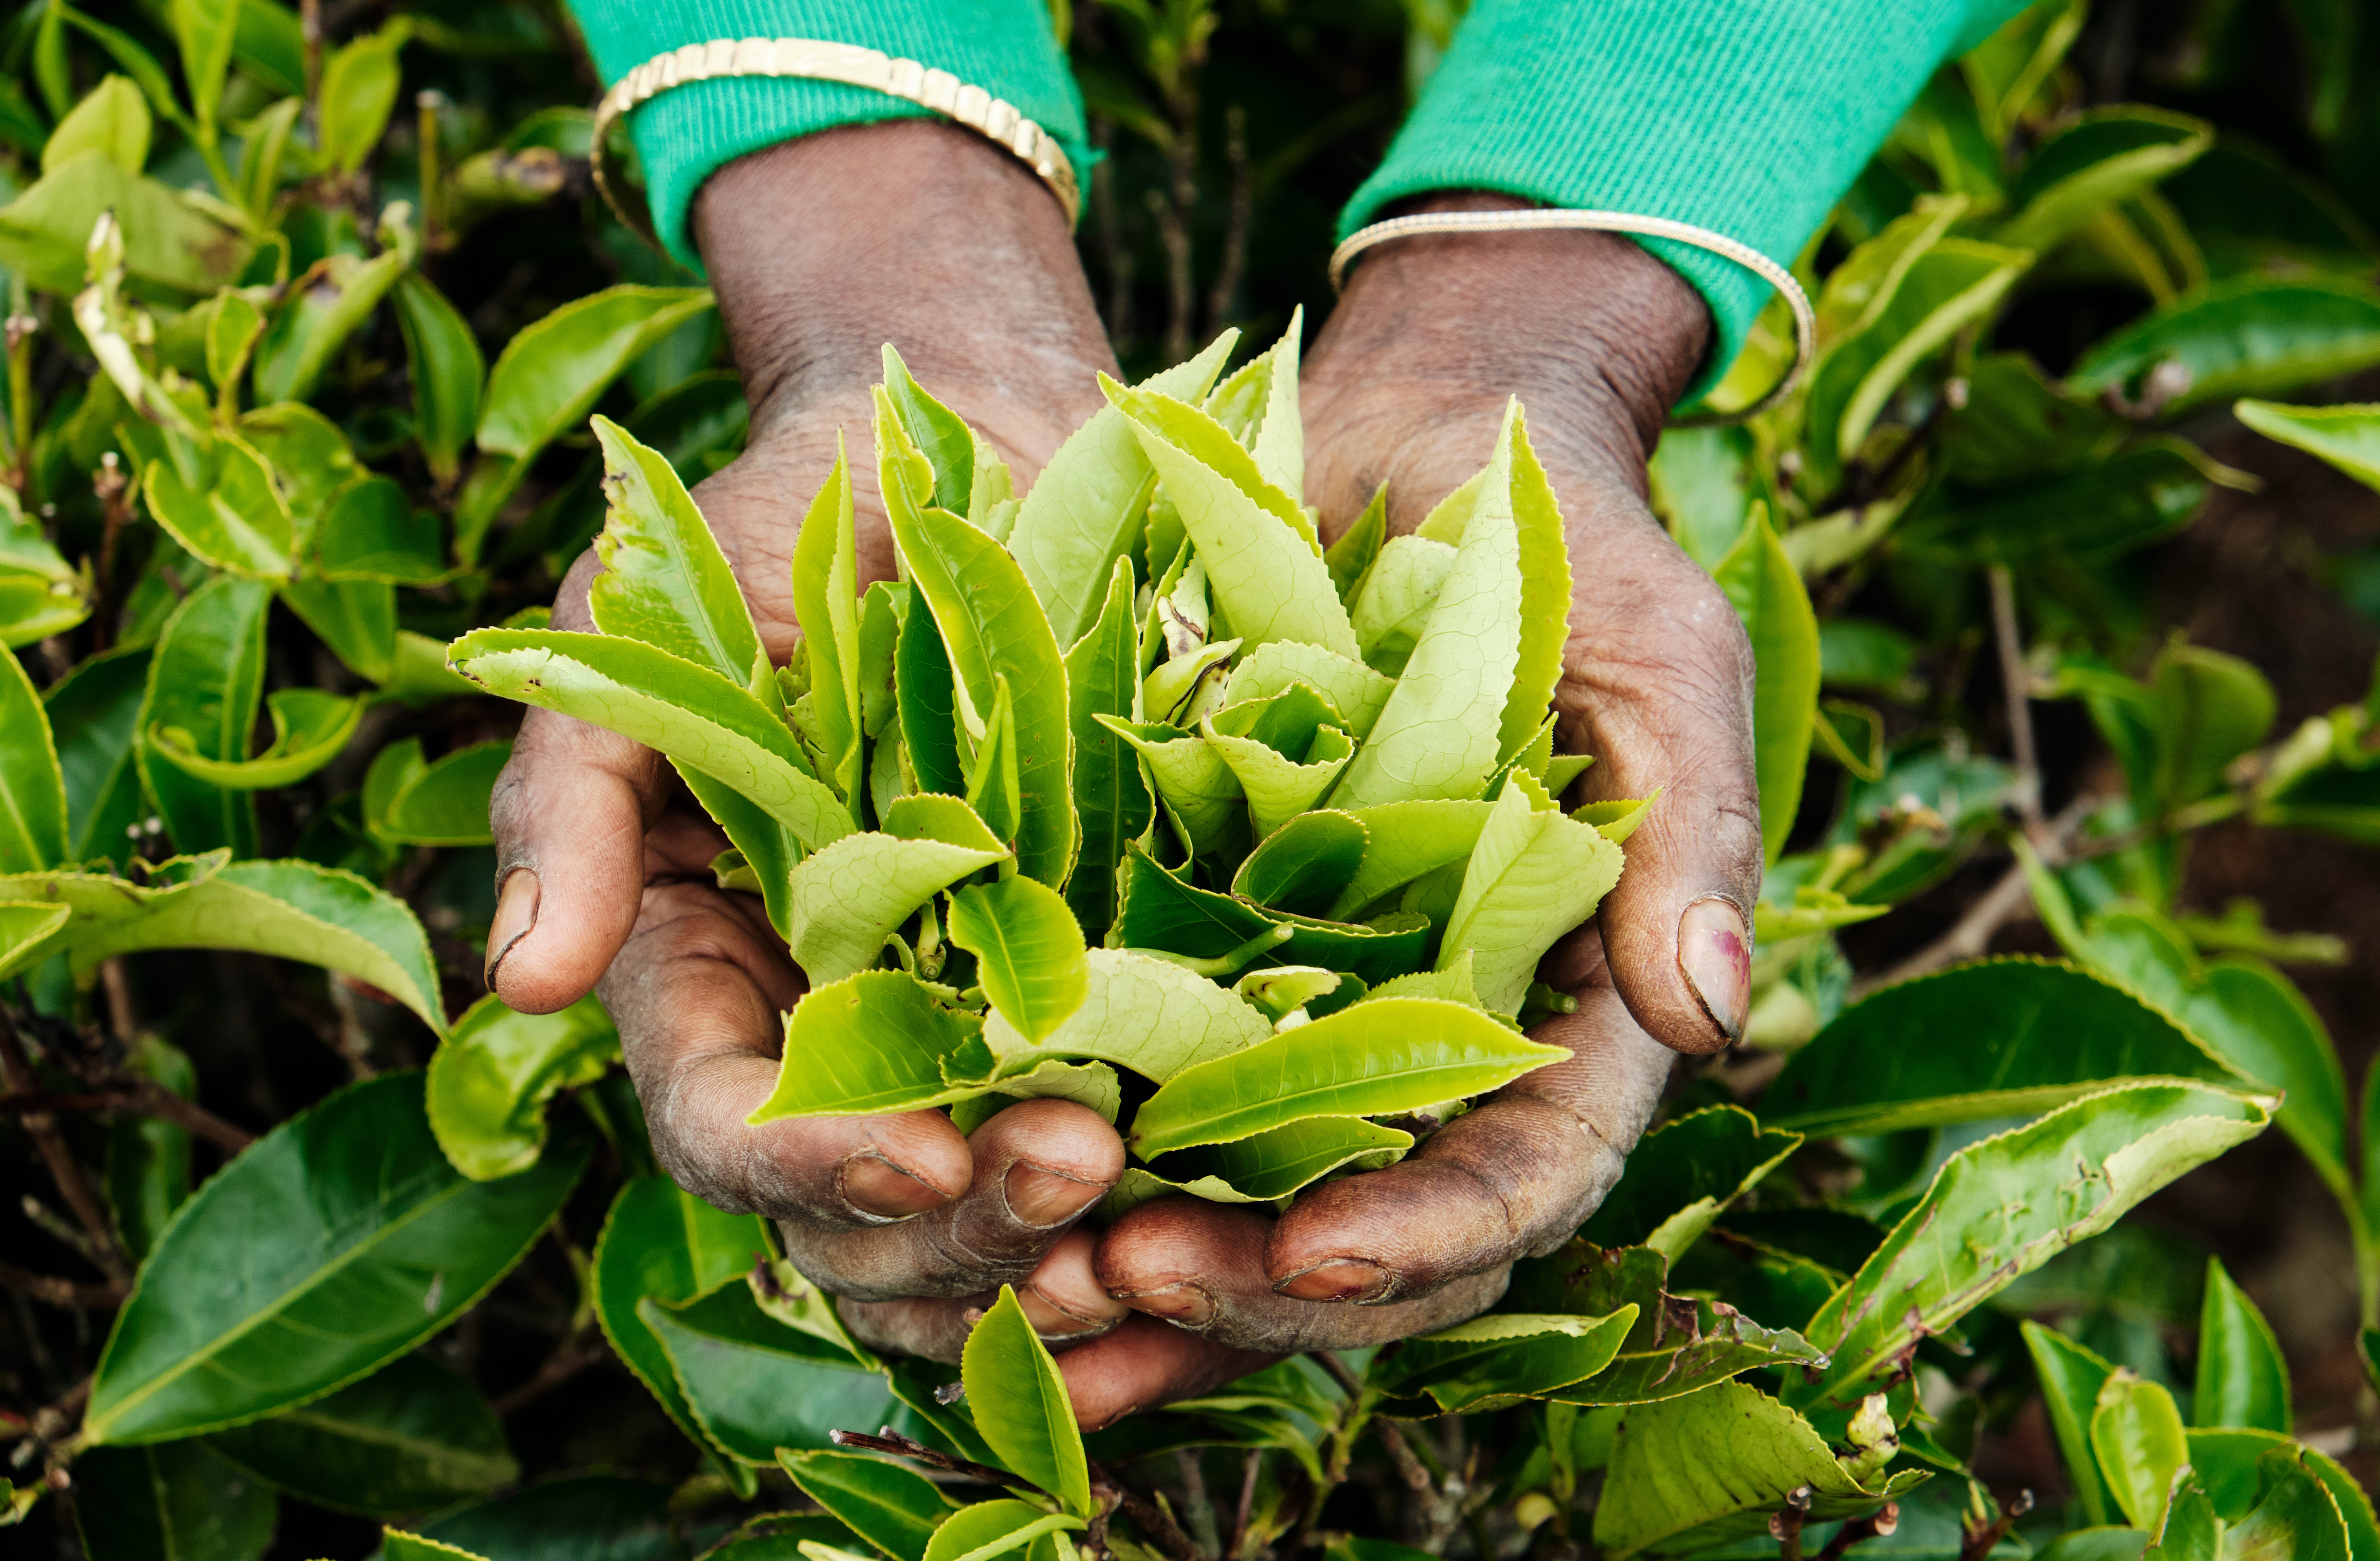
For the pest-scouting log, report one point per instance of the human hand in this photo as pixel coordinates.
(1407, 385)
(821, 249)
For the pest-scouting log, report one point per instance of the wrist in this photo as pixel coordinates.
(821, 249)
(1595, 335)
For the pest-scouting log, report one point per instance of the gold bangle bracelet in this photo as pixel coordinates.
(1805, 319)
(811, 59)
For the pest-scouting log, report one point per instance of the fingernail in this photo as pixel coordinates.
(515, 918)
(1184, 1303)
(1053, 1319)
(1347, 1279)
(874, 1185)
(1041, 1197)
(1714, 950)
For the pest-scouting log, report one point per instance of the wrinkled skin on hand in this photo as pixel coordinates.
(820, 250)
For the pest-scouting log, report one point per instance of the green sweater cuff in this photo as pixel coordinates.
(1003, 46)
(1748, 117)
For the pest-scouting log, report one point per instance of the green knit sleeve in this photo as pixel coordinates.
(1004, 46)
(1750, 117)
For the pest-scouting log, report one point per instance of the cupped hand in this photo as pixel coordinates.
(1407, 386)
(820, 250)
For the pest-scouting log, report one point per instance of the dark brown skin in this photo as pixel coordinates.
(820, 250)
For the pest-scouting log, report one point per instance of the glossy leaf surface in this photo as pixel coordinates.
(411, 1437)
(1021, 1405)
(491, 1079)
(334, 1244)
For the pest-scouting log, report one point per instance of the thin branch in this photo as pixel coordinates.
(1235, 226)
(572, 1356)
(1339, 1371)
(74, 1185)
(147, 1098)
(1148, 1517)
(51, 1290)
(1252, 1467)
(1195, 1501)
(902, 1446)
(1880, 1525)
(1981, 1539)
(2005, 901)
(2016, 683)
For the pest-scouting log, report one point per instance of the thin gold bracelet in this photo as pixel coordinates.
(814, 60)
(1805, 319)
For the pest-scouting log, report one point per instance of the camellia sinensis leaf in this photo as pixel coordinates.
(334, 1244)
(1686, 1472)
(1280, 1161)
(1267, 575)
(1352, 556)
(1285, 750)
(1160, 911)
(992, 628)
(2347, 437)
(548, 377)
(2004, 1205)
(1029, 951)
(663, 1242)
(939, 434)
(310, 728)
(1407, 840)
(664, 580)
(410, 801)
(1086, 509)
(755, 1386)
(927, 700)
(294, 910)
(1112, 802)
(414, 1436)
(699, 718)
(1498, 1360)
(164, 1502)
(870, 1043)
(1258, 405)
(1305, 865)
(991, 1528)
(1021, 1405)
(1769, 597)
(2250, 335)
(371, 534)
(206, 680)
(891, 1507)
(2070, 1378)
(1150, 1015)
(1356, 692)
(1681, 1175)
(1201, 792)
(491, 1079)
(2038, 1034)
(1534, 875)
(447, 369)
(33, 788)
(2242, 1378)
(1677, 1345)
(2137, 1438)
(1392, 608)
(826, 603)
(1440, 734)
(849, 897)
(1375, 1058)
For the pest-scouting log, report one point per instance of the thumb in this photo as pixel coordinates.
(1659, 687)
(570, 811)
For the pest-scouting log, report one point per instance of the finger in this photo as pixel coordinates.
(569, 812)
(1515, 1178)
(1063, 1299)
(1201, 1266)
(698, 994)
(1038, 1165)
(1658, 686)
(1145, 1363)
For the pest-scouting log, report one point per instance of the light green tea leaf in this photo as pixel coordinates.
(1021, 1405)
(826, 603)
(1028, 951)
(850, 895)
(664, 580)
(2136, 1435)
(206, 679)
(1111, 802)
(2242, 1379)
(33, 788)
(1377, 1058)
(870, 1043)
(491, 1079)
(1147, 1014)
(1533, 877)
(447, 369)
(1768, 595)
(309, 728)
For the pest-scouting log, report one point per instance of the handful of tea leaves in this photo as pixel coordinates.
(1131, 775)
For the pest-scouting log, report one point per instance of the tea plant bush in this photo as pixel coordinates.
(261, 472)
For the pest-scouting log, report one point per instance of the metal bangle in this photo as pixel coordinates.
(1805, 319)
(815, 60)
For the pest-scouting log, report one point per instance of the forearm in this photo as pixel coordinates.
(1745, 116)
(687, 133)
